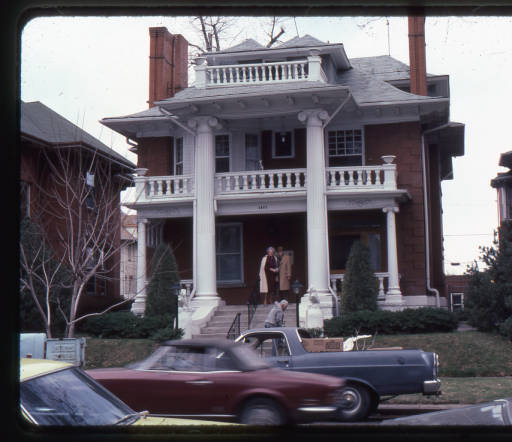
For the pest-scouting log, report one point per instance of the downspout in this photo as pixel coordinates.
(425, 209)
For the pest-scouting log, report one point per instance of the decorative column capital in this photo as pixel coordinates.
(203, 124)
(313, 117)
(393, 209)
(142, 220)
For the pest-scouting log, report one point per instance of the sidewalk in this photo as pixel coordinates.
(397, 409)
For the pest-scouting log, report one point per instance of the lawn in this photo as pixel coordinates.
(461, 354)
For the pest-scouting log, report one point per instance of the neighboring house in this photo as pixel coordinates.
(295, 145)
(128, 269)
(42, 133)
(503, 185)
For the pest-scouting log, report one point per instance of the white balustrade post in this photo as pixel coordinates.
(204, 240)
(139, 304)
(140, 184)
(394, 298)
(389, 172)
(317, 245)
(314, 66)
(200, 72)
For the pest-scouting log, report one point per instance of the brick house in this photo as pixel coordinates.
(503, 185)
(43, 132)
(295, 145)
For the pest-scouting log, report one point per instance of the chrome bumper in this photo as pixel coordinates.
(432, 387)
(318, 409)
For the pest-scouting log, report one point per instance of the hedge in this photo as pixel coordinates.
(125, 324)
(421, 320)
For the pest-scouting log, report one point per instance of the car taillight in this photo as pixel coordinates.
(436, 364)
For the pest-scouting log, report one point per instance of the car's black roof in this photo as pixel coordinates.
(201, 342)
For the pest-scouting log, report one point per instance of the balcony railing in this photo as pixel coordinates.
(338, 179)
(362, 177)
(259, 73)
(153, 188)
(284, 180)
(256, 73)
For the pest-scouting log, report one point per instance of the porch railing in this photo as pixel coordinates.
(161, 187)
(362, 177)
(284, 180)
(234, 330)
(337, 282)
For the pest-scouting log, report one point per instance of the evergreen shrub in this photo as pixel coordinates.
(360, 286)
(421, 320)
(124, 324)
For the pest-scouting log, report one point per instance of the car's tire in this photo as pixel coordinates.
(262, 411)
(359, 403)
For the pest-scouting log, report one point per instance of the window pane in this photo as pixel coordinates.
(228, 239)
(222, 165)
(283, 144)
(222, 145)
(229, 268)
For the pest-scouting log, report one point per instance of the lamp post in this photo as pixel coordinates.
(175, 290)
(297, 288)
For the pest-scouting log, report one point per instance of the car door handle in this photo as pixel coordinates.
(203, 382)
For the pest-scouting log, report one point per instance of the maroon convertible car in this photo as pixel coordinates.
(220, 379)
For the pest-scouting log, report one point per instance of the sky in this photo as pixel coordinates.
(88, 68)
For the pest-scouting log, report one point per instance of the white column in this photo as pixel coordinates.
(204, 240)
(139, 305)
(394, 298)
(317, 239)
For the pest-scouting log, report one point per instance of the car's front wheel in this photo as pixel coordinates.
(262, 411)
(355, 403)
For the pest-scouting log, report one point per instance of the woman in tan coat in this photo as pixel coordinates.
(268, 275)
(285, 272)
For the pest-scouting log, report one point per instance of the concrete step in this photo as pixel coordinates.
(221, 321)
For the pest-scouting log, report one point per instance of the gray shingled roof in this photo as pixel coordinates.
(246, 45)
(383, 67)
(42, 123)
(368, 88)
(211, 93)
(300, 42)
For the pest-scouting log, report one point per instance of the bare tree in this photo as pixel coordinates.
(214, 32)
(273, 34)
(79, 216)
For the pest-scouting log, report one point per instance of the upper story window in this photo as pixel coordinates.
(90, 200)
(24, 199)
(283, 145)
(178, 156)
(222, 153)
(345, 147)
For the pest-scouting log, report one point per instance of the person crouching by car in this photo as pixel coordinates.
(275, 317)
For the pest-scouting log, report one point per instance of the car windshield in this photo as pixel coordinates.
(201, 359)
(71, 397)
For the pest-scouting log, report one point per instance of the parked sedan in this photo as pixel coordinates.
(218, 378)
(497, 412)
(368, 374)
(60, 394)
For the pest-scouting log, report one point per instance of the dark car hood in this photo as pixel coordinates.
(498, 412)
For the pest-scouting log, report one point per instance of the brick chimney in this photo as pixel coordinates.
(168, 64)
(417, 57)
